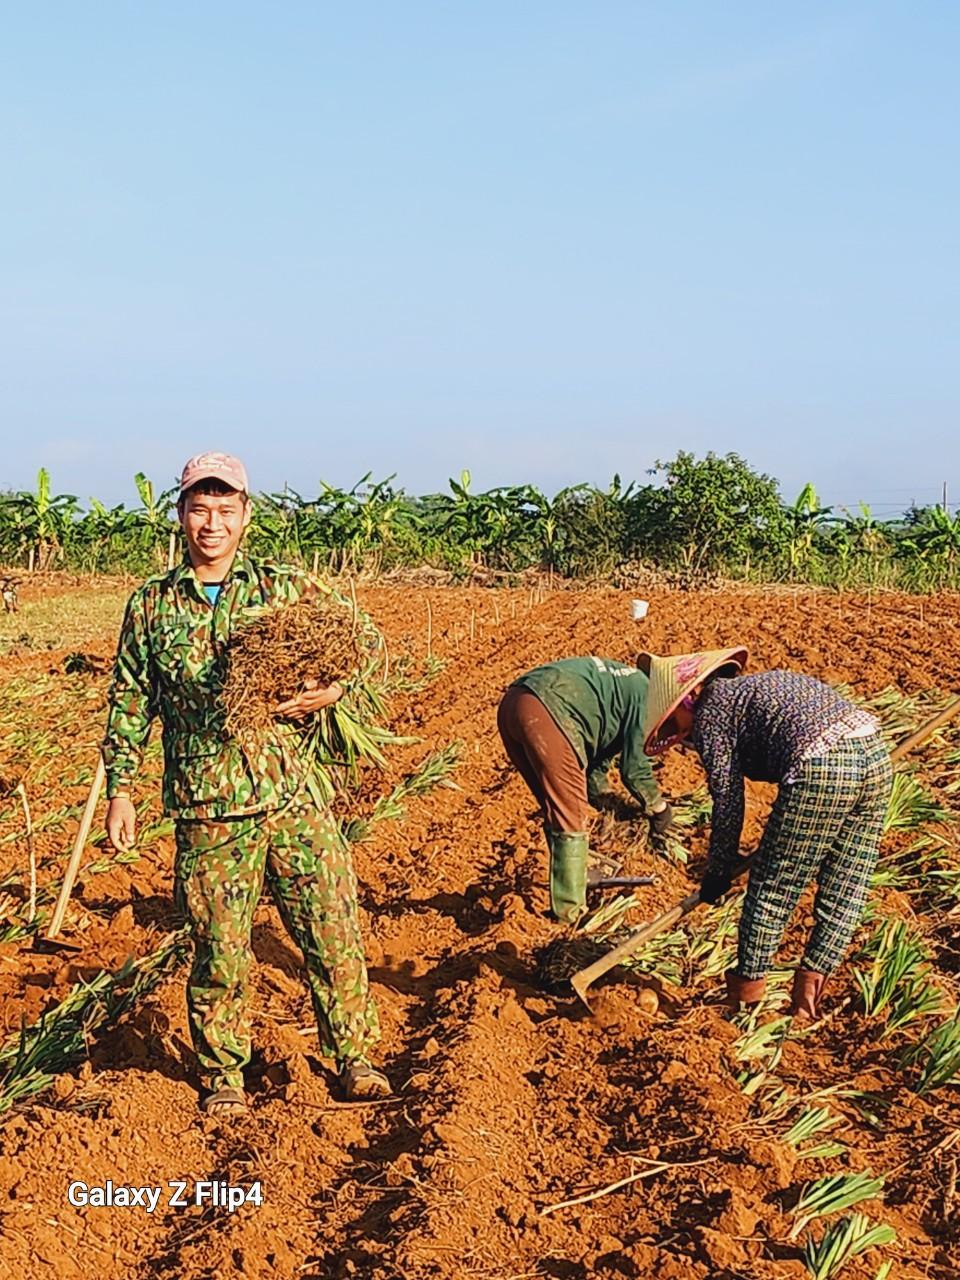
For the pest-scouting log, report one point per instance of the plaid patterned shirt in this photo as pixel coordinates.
(762, 727)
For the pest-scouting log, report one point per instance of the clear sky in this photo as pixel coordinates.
(543, 239)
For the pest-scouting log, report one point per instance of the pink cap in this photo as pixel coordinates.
(214, 466)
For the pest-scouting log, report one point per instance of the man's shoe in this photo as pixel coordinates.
(361, 1081)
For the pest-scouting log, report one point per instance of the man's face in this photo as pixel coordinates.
(213, 524)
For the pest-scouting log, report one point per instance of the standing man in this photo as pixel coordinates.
(240, 816)
(562, 725)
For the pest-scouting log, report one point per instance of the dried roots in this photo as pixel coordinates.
(271, 656)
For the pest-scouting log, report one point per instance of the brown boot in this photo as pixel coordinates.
(743, 991)
(807, 989)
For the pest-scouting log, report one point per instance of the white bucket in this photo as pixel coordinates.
(638, 609)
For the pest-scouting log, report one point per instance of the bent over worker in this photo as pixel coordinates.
(834, 775)
(562, 726)
(241, 817)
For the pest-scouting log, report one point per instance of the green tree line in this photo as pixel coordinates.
(695, 517)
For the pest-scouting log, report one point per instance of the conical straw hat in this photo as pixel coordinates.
(671, 679)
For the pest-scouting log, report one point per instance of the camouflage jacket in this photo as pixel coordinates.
(170, 664)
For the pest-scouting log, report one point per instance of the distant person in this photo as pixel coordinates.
(238, 820)
(834, 775)
(563, 725)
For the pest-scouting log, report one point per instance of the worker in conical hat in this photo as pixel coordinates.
(834, 775)
(563, 725)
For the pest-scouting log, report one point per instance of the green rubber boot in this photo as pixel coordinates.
(568, 874)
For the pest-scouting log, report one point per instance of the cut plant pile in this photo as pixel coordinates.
(276, 650)
(735, 1151)
(268, 656)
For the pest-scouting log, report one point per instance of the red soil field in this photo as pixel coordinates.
(508, 1099)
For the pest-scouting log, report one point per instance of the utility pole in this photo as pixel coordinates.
(946, 509)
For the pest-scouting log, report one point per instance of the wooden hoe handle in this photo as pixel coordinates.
(937, 722)
(73, 866)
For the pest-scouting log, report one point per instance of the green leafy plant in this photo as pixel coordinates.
(433, 772)
(842, 1241)
(897, 983)
(910, 806)
(813, 1121)
(937, 1055)
(831, 1194)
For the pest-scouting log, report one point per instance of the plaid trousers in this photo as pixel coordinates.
(825, 825)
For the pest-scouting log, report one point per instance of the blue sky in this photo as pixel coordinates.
(542, 240)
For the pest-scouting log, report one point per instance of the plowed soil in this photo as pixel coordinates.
(508, 1100)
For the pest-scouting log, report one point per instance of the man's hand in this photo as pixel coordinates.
(311, 698)
(121, 823)
(714, 885)
(661, 819)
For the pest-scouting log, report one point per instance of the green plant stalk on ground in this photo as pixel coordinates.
(61, 1036)
(831, 1194)
(937, 1054)
(898, 959)
(842, 1241)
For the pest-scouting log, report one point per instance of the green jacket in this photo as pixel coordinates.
(170, 664)
(599, 704)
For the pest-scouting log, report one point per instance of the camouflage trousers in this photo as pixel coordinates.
(220, 870)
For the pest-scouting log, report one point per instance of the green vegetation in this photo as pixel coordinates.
(695, 518)
(852, 1235)
(29, 1062)
(897, 986)
(831, 1194)
(937, 1055)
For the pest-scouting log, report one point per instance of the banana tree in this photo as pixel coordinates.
(381, 514)
(805, 518)
(867, 534)
(103, 536)
(44, 520)
(153, 516)
(289, 525)
(496, 527)
(935, 541)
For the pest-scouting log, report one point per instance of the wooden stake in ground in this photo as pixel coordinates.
(73, 866)
(31, 854)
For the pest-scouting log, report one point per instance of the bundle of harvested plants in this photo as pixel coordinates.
(594, 936)
(275, 650)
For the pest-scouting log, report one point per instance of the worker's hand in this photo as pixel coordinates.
(311, 698)
(661, 819)
(121, 823)
(714, 885)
